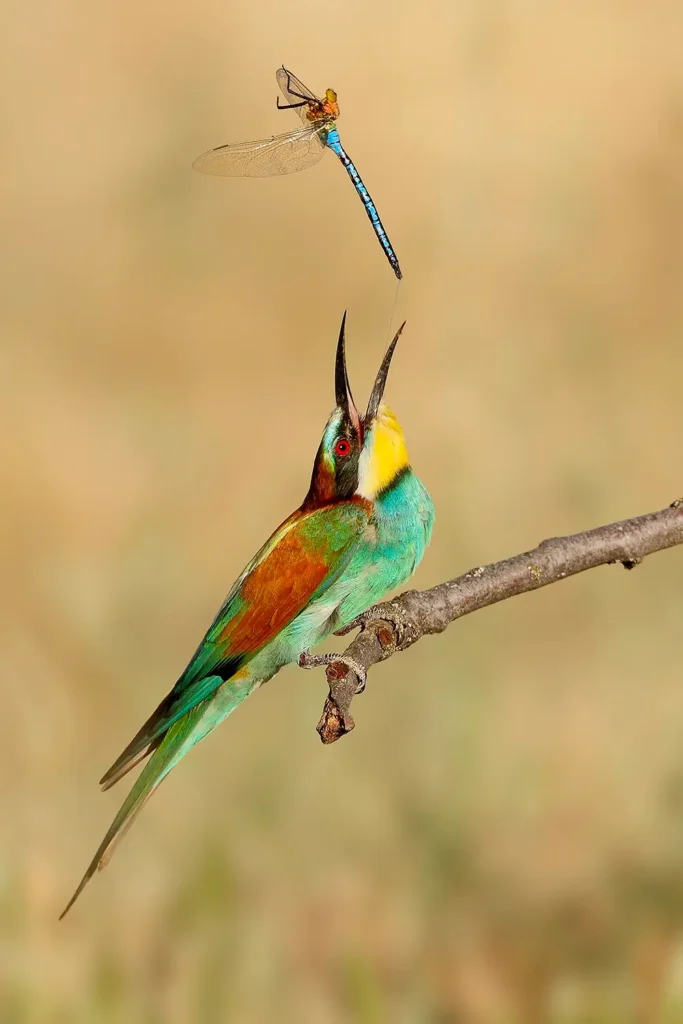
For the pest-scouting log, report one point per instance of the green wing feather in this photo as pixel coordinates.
(298, 563)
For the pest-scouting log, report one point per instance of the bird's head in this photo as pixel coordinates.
(358, 455)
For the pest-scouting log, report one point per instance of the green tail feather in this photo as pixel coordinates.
(148, 738)
(159, 765)
(180, 737)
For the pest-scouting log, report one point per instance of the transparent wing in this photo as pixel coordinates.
(294, 91)
(280, 154)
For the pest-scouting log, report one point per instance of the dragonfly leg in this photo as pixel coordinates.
(293, 92)
(290, 106)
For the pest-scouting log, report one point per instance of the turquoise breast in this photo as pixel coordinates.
(388, 556)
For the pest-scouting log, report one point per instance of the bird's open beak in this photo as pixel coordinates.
(341, 384)
(380, 381)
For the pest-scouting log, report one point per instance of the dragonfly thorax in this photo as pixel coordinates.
(324, 110)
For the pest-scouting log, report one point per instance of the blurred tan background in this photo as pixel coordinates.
(501, 838)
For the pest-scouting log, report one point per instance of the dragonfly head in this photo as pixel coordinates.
(357, 455)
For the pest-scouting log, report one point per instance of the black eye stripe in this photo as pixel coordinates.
(346, 465)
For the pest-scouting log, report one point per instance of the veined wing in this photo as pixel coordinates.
(294, 92)
(280, 154)
(299, 562)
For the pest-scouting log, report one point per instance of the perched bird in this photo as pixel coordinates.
(362, 529)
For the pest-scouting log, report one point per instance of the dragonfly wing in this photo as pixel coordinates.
(299, 562)
(294, 92)
(280, 154)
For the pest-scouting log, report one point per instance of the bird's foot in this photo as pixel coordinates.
(308, 661)
(381, 613)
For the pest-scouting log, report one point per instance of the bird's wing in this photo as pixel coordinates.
(299, 562)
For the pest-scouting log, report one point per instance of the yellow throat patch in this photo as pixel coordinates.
(384, 457)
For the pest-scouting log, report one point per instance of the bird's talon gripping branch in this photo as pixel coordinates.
(361, 674)
(386, 613)
(309, 661)
(360, 620)
(334, 673)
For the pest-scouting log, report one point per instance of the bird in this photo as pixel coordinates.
(361, 530)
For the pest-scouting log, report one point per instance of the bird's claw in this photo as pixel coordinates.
(309, 661)
(386, 613)
(361, 674)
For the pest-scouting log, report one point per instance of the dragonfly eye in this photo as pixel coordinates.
(342, 448)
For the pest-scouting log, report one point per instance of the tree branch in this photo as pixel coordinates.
(396, 625)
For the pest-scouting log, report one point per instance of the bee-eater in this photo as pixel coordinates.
(361, 530)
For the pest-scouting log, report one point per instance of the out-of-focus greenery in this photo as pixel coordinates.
(501, 838)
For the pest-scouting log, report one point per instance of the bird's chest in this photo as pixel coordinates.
(402, 526)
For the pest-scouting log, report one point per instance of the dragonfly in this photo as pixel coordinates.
(296, 150)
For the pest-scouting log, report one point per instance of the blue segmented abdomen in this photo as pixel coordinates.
(335, 145)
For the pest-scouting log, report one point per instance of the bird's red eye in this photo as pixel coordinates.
(342, 448)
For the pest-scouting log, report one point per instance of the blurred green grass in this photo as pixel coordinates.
(500, 838)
